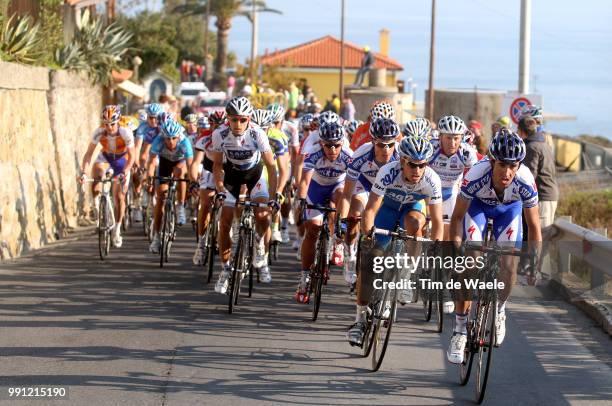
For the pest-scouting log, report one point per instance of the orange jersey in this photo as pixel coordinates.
(361, 136)
(114, 144)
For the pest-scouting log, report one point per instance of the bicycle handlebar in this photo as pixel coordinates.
(320, 208)
(251, 204)
(401, 234)
(479, 246)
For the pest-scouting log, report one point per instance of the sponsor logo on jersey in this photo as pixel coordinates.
(238, 154)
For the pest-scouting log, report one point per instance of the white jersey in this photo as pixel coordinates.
(204, 143)
(391, 184)
(327, 172)
(450, 169)
(364, 168)
(291, 131)
(244, 151)
(115, 145)
(477, 184)
(310, 142)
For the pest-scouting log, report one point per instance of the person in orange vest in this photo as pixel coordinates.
(380, 109)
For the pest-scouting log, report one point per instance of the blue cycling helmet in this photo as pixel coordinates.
(154, 109)
(203, 123)
(384, 129)
(331, 132)
(307, 122)
(415, 149)
(171, 129)
(351, 126)
(507, 146)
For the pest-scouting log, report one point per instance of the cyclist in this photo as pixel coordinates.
(144, 135)
(351, 126)
(380, 109)
(307, 125)
(366, 163)
(323, 180)
(497, 188)
(191, 128)
(217, 118)
(118, 153)
(247, 150)
(396, 196)
(202, 163)
(292, 141)
(173, 154)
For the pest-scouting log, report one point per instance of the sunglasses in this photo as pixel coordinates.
(330, 146)
(240, 120)
(414, 166)
(385, 145)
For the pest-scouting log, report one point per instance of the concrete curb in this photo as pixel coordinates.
(597, 311)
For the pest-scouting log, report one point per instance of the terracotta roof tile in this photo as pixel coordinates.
(120, 76)
(325, 53)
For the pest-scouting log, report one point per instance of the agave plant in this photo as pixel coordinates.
(95, 48)
(20, 42)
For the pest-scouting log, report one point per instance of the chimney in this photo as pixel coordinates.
(384, 42)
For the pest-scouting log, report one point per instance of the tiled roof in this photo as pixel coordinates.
(120, 76)
(325, 53)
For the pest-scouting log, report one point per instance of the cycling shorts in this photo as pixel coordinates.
(449, 198)
(320, 195)
(166, 167)
(387, 217)
(116, 162)
(507, 222)
(361, 193)
(206, 180)
(253, 178)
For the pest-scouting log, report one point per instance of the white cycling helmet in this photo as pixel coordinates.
(451, 125)
(417, 128)
(239, 106)
(382, 109)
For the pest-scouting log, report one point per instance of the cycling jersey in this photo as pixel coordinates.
(477, 184)
(361, 136)
(114, 146)
(243, 152)
(363, 168)
(146, 133)
(182, 151)
(291, 131)
(506, 214)
(450, 169)
(310, 142)
(278, 142)
(401, 197)
(327, 172)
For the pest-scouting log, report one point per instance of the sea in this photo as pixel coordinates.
(477, 45)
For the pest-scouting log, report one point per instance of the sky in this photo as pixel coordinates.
(477, 44)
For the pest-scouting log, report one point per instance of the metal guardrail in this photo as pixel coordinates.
(594, 249)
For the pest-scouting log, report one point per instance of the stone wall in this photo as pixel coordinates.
(46, 120)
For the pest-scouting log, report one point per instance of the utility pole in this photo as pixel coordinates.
(525, 47)
(341, 91)
(254, 41)
(430, 91)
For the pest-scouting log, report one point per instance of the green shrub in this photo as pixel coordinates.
(588, 209)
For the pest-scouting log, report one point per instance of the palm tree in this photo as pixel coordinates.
(224, 11)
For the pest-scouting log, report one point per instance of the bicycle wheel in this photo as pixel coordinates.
(427, 297)
(249, 260)
(103, 228)
(439, 300)
(368, 335)
(382, 328)
(126, 222)
(318, 277)
(165, 236)
(465, 368)
(486, 343)
(236, 278)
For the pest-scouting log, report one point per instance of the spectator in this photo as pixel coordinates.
(366, 65)
(294, 95)
(200, 73)
(231, 82)
(347, 111)
(329, 106)
(540, 161)
(184, 71)
(501, 122)
(188, 109)
(247, 89)
(480, 141)
(336, 103)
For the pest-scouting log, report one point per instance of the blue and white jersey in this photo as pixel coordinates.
(391, 184)
(244, 151)
(450, 169)
(291, 131)
(364, 168)
(146, 133)
(477, 184)
(327, 172)
(182, 151)
(310, 142)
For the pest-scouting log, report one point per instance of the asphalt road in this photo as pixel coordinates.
(126, 332)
